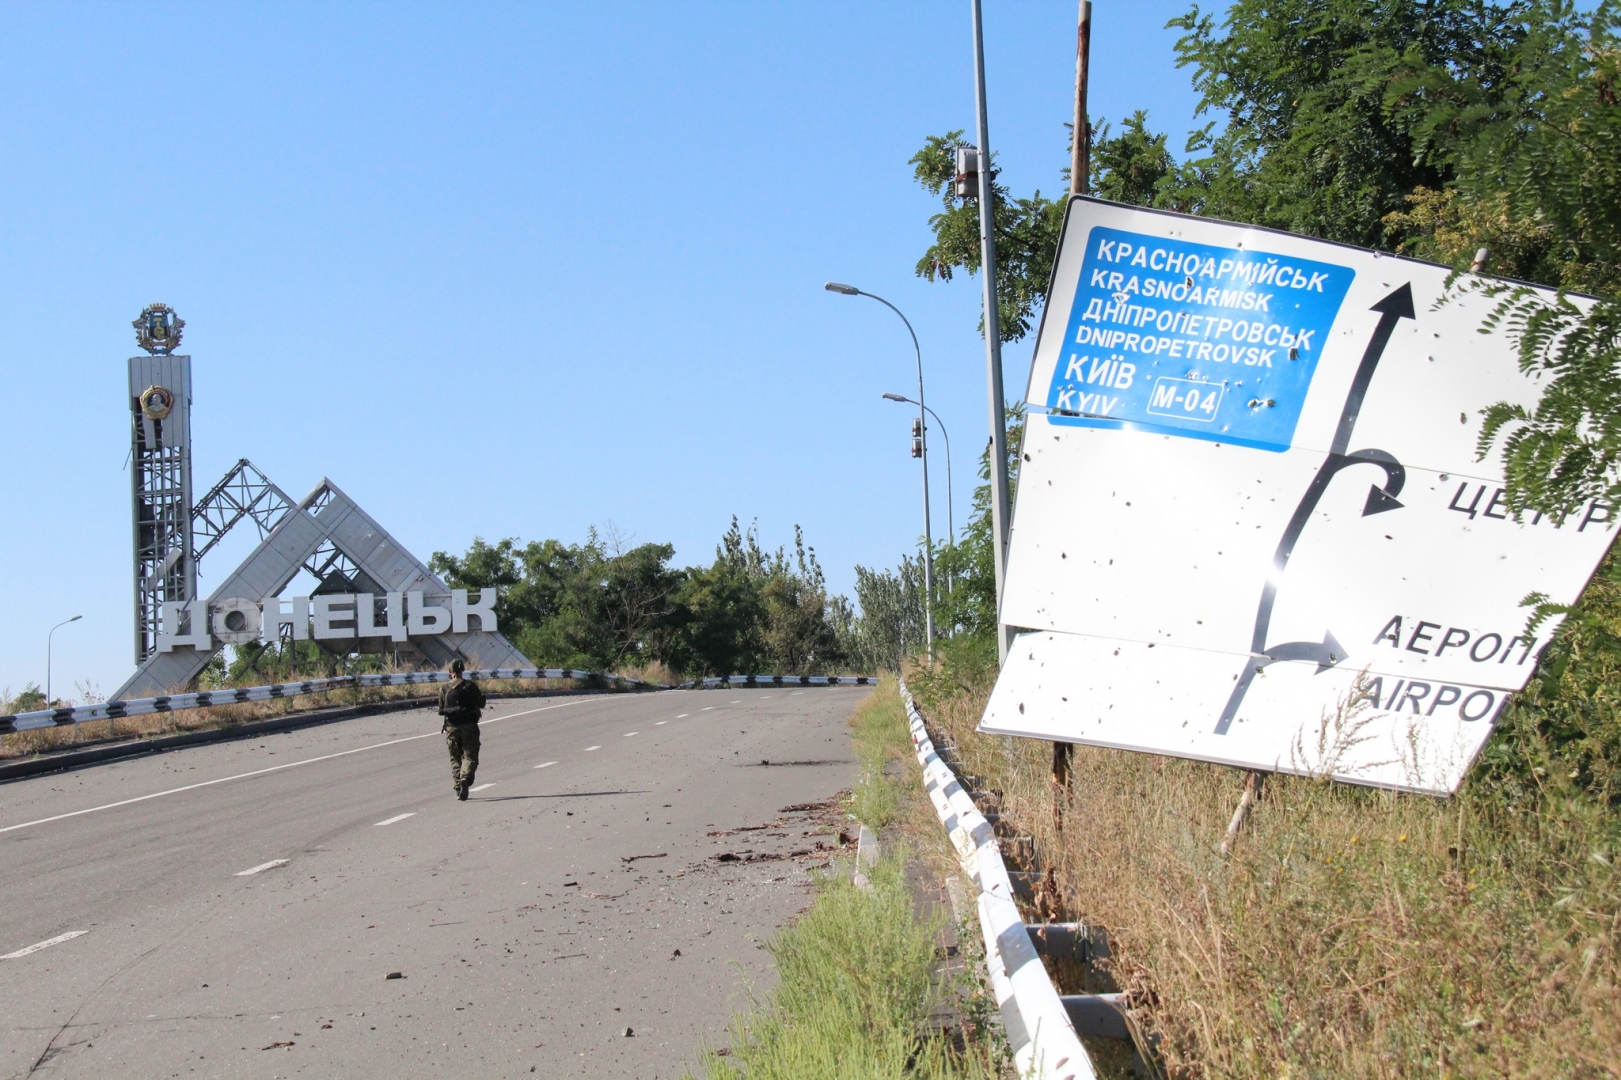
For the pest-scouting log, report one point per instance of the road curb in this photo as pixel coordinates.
(56, 761)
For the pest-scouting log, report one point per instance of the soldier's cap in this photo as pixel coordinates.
(457, 665)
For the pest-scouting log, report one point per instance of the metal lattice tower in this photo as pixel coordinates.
(245, 492)
(160, 473)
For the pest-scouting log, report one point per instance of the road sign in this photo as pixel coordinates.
(1251, 527)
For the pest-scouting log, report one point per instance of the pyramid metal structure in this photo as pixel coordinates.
(346, 550)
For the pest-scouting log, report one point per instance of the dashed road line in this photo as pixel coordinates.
(46, 944)
(545, 764)
(660, 723)
(628, 734)
(396, 817)
(481, 787)
(261, 868)
(591, 748)
(683, 716)
(707, 708)
(259, 772)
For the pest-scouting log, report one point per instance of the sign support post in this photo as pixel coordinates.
(1080, 164)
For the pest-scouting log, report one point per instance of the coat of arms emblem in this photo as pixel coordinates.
(157, 329)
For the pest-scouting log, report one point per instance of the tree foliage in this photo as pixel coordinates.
(1025, 233)
(604, 605)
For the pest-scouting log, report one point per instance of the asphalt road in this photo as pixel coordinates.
(239, 906)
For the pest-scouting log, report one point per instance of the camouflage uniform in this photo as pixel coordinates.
(460, 703)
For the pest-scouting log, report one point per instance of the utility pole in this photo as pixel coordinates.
(1080, 154)
(1079, 180)
(993, 339)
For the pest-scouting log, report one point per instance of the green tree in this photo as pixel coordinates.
(1130, 167)
(597, 606)
(32, 699)
(891, 626)
(604, 605)
(752, 608)
(1324, 105)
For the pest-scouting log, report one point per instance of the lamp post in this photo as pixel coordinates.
(951, 515)
(928, 532)
(54, 629)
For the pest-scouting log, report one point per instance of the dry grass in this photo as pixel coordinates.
(656, 672)
(40, 740)
(1351, 933)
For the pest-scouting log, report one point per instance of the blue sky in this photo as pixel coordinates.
(506, 270)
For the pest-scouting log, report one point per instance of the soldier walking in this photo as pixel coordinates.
(460, 703)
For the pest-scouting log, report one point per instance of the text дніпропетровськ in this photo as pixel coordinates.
(1194, 340)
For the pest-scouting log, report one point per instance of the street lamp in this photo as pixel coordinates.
(951, 515)
(928, 532)
(54, 629)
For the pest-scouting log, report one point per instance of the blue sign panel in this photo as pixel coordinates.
(1194, 340)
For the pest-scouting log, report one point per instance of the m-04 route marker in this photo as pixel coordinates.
(1251, 525)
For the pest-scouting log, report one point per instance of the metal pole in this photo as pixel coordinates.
(951, 512)
(48, 637)
(928, 531)
(951, 506)
(1079, 183)
(993, 339)
(1080, 154)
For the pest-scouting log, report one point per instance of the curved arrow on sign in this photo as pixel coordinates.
(1398, 305)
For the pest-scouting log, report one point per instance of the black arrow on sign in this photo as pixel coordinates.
(1398, 305)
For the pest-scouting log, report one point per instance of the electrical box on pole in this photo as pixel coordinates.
(966, 181)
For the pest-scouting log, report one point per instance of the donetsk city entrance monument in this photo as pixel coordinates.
(371, 594)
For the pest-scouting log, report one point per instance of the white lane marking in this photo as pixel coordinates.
(765, 697)
(481, 787)
(46, 944)
(683, 716)
(256, 772)
(590, 748)
(545, 764)
(707, 708)
(739, 701)
(628, 734)
(657, 723)
(396, 817)
(261, 868)
(796, 693)
(531, 712)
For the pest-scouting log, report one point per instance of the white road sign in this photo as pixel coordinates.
(1251, 527)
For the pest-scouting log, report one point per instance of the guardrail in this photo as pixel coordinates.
(116, 710)
(1038, 1026)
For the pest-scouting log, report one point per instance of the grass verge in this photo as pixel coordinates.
(1351, 933)
(861, 972)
